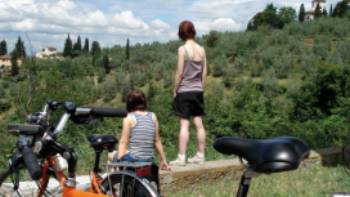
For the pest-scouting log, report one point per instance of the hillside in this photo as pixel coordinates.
(293, 81)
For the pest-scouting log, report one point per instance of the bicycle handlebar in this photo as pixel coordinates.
(108, 112)
(75, 113)
(26, 129)
(71, 108)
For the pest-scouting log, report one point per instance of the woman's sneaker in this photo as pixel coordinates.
(197, 159)
(179, 161)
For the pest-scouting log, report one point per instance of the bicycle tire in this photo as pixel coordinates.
(4, 174)
(127, 184)
(7, 187)
(6, 184)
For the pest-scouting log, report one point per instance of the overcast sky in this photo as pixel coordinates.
(47, 23)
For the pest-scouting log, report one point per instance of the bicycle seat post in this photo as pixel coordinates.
(245, 182)
(97, 161)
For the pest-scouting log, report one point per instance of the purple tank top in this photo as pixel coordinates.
(191, 76)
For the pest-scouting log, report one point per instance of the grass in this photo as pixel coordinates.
(312, 180)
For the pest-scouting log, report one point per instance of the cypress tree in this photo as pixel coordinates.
(95, 52)
(127, 49)
(14, 65)
(86, 46)
(68, 48)
(95, 48)
(77, 48)
(302, 13)
(77, 45)
(3, 48)
(20, 49)
(318, 11)
(331, 10)
(106, 63)
(324, 13)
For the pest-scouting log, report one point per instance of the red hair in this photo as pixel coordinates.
(186, 30)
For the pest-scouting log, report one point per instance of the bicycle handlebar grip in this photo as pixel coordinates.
(27, 129)
(31, 163)
(108, 112)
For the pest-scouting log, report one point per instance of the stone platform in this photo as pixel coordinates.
(182, 177)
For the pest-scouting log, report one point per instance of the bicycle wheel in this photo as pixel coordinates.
(127, 184)
(10, 185)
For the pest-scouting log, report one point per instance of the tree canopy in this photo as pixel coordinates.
(341, 9)
(273, 17)
(95, 48)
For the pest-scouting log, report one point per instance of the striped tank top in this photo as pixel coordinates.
(141, 143)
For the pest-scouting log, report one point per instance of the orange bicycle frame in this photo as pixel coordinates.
(94, 191)
(44, 180)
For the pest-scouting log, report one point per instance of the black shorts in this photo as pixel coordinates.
(189, 104)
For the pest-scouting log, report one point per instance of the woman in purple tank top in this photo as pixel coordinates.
(188, 93)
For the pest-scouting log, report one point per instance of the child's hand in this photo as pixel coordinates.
(112, 155)
(165, 166)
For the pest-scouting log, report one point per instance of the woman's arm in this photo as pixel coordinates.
(124, 138)
(159, 147)
(205, 69)
(179, 70)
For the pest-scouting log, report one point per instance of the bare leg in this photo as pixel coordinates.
(184, 135)
(200, 133)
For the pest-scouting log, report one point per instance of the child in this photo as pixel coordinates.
(140, 133)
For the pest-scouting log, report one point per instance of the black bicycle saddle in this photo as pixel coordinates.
(267, 155)
(101, 142)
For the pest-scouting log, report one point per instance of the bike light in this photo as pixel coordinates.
(37, 147)
(60, 163)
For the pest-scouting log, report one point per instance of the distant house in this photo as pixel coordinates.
(310, 15)
(5, 63)
(48, 52)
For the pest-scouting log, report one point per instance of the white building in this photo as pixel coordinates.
(48, 52)
(6, 64)
(310, 15)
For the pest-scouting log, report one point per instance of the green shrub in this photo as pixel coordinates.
(4, 105)
(218, 67)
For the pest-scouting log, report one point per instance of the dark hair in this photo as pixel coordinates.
(136, 100)
(186, 30)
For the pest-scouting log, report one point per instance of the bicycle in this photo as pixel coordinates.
(263, 156)
(38, 151)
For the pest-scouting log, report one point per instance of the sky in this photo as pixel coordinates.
(47, 23)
